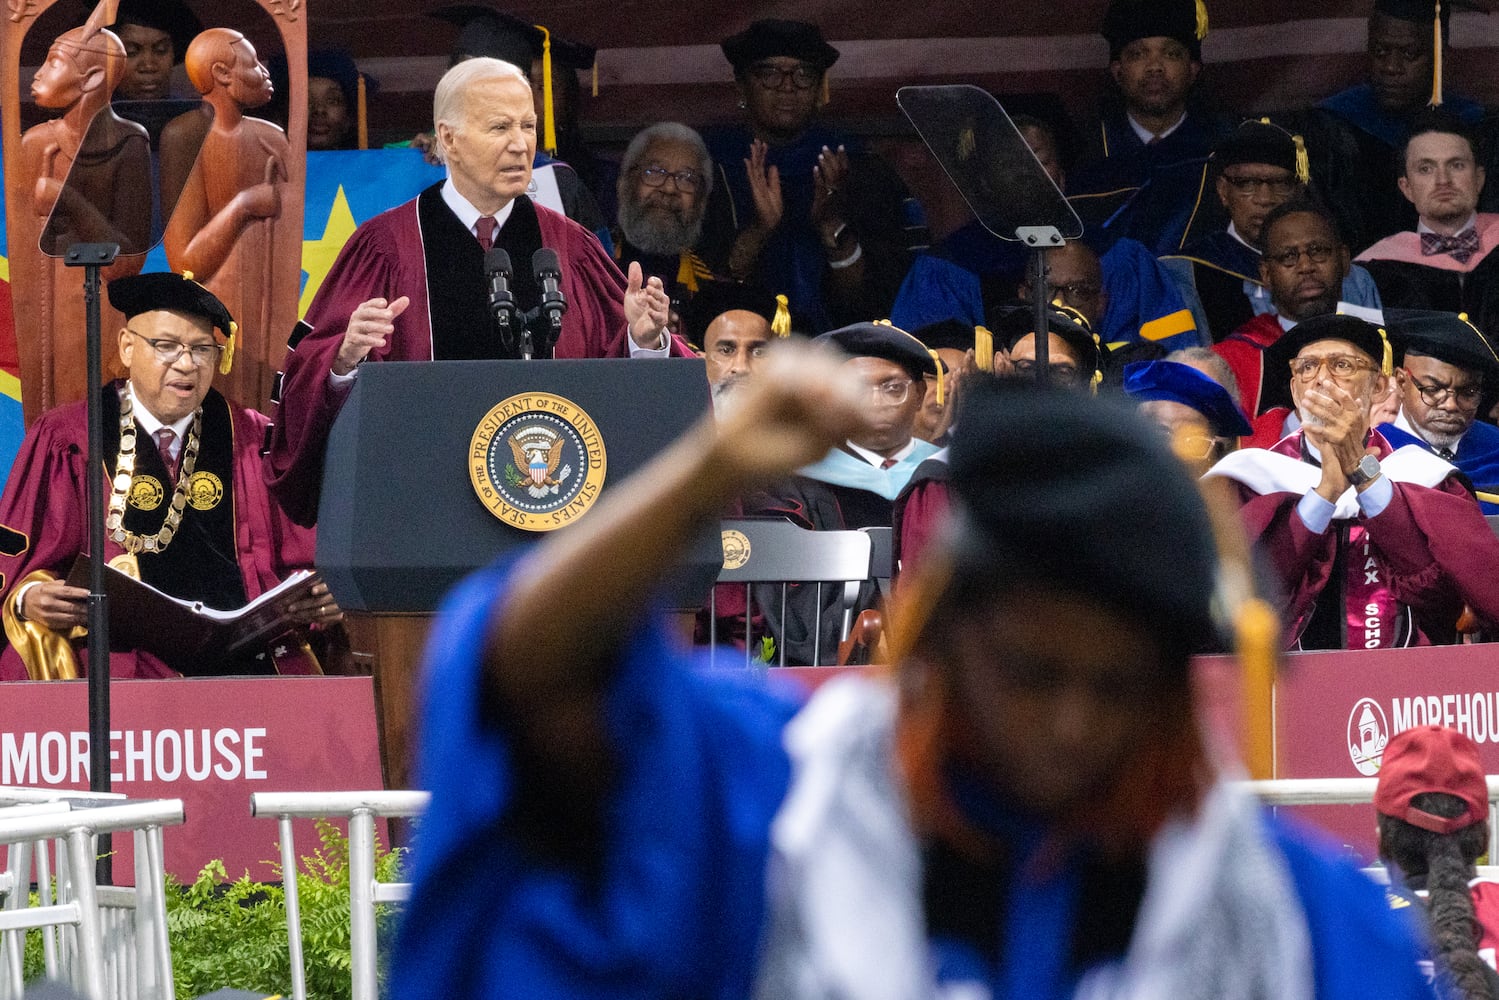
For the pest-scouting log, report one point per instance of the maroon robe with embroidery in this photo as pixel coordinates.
(1430, 547)
(46, 499)
(393, 255)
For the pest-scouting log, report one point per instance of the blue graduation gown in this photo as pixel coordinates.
(1477, 456)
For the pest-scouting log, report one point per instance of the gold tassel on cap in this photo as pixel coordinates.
(1202, 20)
(1303, 162)
(1436, 58)
(362, 104)
(226, 360)
(1387, 362)
(549, 118)
(983, 349)
(780, 324)
(595, 77)
(941, 385)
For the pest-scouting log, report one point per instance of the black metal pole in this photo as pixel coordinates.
(1039, 297)
(92, 257)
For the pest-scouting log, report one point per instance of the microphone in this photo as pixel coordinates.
(501, 298)
(548, 271)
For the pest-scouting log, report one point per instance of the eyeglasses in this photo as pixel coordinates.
(1078, 291)
(893, 392)
(1280, 187)
(1435, 393)
(1317, 253)
(168, 351)
(773, 77)
(1064, 375)
(685, 180)
(1340, 366)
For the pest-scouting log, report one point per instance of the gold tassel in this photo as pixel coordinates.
(364, 114)
(1095, 382)
(780, 324)
(1387, 362)
(1303, 162)
(595, 77)
(941, 386)
(827, 94)
(1202, 20)
(1097, 379)
(1436, 58)
(226, 360)
(686, 273)
(549, 118)
(983, 349)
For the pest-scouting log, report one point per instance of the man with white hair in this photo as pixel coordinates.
(664, 182)
(410, 284)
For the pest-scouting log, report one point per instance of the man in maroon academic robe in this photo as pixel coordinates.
(410, 284)
(188, 503)
(1373, 547)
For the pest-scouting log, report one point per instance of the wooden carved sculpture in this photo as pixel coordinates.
(84, 177)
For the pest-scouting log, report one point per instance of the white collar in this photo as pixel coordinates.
(1403, 422)
(1146, 135)
(1422, 227)
(1235, 234)
(148, 420)
(877, 460)
(1285, 324)
(467, 213)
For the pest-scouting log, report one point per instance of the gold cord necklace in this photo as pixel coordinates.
(125, 473)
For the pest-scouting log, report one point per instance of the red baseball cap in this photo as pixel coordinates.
(1432, 759)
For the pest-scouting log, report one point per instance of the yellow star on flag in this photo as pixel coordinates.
(318, 255)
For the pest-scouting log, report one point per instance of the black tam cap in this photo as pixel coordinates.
(145, 293)
(881, 340)
(1368, 338)
(484, 31)
(171, 16)
(714, 298)
(1259, 140)
(1421, 12)
(769, 38)
(1034, 471)
(946, 334)
(1013, 322)
(1129, 20)
(1448, 337)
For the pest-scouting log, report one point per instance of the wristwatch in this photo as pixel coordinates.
(1365, 472)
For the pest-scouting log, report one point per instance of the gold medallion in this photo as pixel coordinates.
(204, 491)
(736, 548)
(537, 461)
(146, 493)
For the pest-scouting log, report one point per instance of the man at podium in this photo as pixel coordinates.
(189, 512)
(411, 284)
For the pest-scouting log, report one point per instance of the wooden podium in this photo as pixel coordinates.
(401, 518)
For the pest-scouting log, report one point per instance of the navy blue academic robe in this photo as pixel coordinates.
(1477, 456)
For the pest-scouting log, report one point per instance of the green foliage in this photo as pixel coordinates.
(767, 653)
(233, 934)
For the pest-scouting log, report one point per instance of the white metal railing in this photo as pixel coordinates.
(74, 823)
(361, 809)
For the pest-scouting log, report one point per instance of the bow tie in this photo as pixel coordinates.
(1460, 247)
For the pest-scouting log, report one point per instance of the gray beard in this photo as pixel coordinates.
(658, 232)
(1438, 439)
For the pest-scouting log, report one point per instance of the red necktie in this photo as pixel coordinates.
(887, 463)
(486, 227)
(165, 438)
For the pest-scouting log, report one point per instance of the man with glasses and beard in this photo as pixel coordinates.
(664, 182)
(1373, 546)
(1446, 371)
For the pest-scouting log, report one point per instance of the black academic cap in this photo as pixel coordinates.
(144, 293)
(1421, 12)
(1448, 337)
(769, 38)
(1128, 20)
(1179, 383)
(1260, 140)
(1368, 338)
(171, 16)
(1014, 321)
(714, 298)
(946, 334)
(338, 65)
(1080, 494)
(484, 31)
(881, 340)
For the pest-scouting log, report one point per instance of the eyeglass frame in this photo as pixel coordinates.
(646, 173)
(773, 77)
(1317, 253)
(884, 390)
(1445, 392)
(1327, 361)
(1280, 187)
(191, 350)
(1060, 374)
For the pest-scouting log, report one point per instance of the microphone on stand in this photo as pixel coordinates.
(501, 298)
(548, 270)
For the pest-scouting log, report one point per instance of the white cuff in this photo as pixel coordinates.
(1315, 512)
(339, 381)
(1377, 497)
(18, 601)
(636, 351)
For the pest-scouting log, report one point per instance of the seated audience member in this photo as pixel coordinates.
(1447, 262)
(855, 484)
(1199, 417)
(1008, 816)
(1447, 369)
(333, 106)
(1145, 177)
(798, 206)
(1258, 167)
(410, 285)
(953, 343)
(189, 512)
(664, 182)
(1372, 547)
(1211, 364)
(156, 34)
(1355, 136)
(734, 325)
(1432, 813)
(1303, 268)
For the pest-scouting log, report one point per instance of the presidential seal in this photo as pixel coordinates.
(537, 461)
(204, 490)
(736, 548)
(146, 493)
